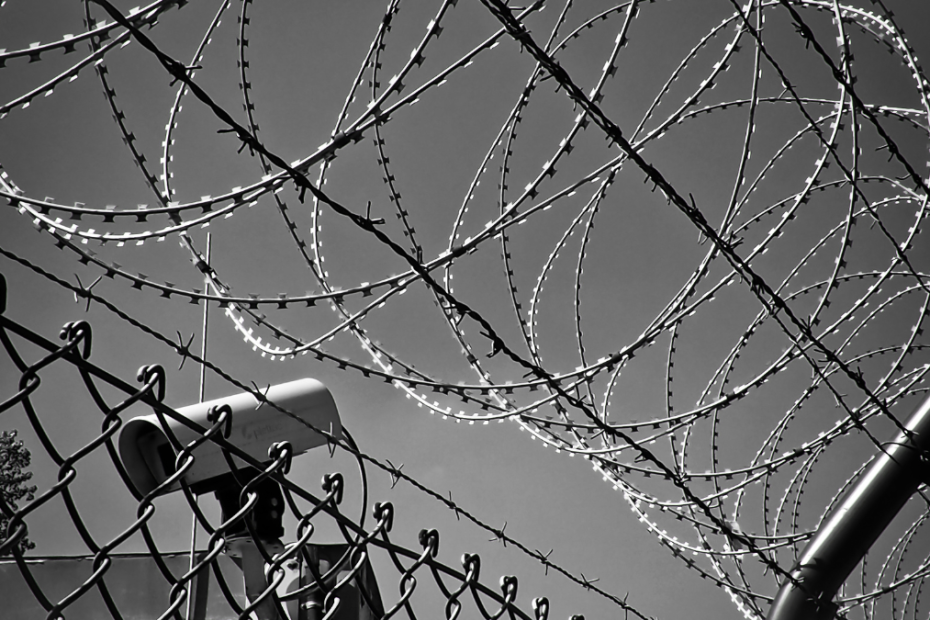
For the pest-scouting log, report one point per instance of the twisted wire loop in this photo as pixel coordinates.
(693, 255)
(339, 581)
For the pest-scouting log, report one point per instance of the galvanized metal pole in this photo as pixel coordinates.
(203, 381)
(842, 541)
(206, 320)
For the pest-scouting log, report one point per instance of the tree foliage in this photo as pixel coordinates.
(14, 459)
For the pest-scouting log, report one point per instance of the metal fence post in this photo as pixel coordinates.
(855, 524)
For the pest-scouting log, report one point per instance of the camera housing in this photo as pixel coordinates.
(149, 458)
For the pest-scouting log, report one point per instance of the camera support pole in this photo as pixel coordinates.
(246, 555)
(856, 523)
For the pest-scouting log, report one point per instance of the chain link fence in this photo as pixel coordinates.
(332, 580)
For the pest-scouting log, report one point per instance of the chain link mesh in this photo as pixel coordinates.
(347, 570)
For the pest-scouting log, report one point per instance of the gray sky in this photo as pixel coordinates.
(637, 254)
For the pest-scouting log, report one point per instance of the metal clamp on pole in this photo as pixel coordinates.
(842, 541)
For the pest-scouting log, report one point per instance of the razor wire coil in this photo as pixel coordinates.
(843, 165)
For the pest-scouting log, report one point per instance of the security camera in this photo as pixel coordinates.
(253, 426)
(149, 457)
